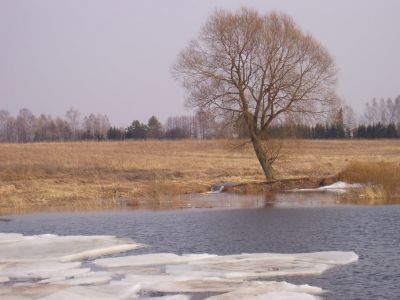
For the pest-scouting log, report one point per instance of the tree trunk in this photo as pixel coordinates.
(262, 158)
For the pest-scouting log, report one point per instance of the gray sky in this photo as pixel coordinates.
(114, 57)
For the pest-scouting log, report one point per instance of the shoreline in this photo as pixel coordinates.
(186, 200)
(163, 199)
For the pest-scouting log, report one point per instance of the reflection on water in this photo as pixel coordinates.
(189, 201)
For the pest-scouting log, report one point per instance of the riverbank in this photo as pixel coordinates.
(89, 174)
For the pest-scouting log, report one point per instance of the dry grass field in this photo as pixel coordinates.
(54, 174)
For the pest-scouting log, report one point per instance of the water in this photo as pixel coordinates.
(373, 232)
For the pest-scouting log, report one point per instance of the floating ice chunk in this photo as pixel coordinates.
(83, 278)
(28, 291)
(183, 284)
(89, 280)
(40, 267)
(47, 258)
(174, 297)
(266, 296)
(62, 276)
(102, 292)
(330, 257)
(10, 237)
(271, 290)
(37, 270)
(149, 259)
(14, 297)
(140, 260)
(250, 266)
(16, 247)
(99, 252)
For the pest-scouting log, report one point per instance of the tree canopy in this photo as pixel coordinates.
(261, 68)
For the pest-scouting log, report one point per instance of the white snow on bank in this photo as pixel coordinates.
(51, 267)
(339, 187)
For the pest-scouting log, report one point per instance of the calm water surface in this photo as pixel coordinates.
(373, 232)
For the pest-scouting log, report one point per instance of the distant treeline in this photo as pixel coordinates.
(380, 120)
(26, 127)
(333, 131)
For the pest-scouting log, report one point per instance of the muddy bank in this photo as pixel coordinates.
(194, 197)
(167, 198)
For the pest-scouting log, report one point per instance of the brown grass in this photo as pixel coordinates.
(381, 180)
(76, 172)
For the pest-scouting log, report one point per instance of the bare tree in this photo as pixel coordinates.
(383, 114)
(73, 117)
(181, 127)
(42, 128)
(25, 124)
(259, 68)
(96, 126)
(349, 117)
(4, 121)
(397, 112)
(372, 113)
(390, 111)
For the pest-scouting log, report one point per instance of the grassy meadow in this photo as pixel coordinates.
(53, 174)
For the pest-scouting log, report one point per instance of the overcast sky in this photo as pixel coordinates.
(114, 57)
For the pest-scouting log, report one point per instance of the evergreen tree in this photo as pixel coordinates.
(380, 131)
(361, 131)
(154, 128)
(137, 130)
(340, 133)
(115, 133)
(391, 131)
(320, 131)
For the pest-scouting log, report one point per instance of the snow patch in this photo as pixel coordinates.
(339, 187)
(220, 186)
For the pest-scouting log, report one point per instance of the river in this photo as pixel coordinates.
(259, 225)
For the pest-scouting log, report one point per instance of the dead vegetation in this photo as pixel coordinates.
(381, 180)
(89, 173)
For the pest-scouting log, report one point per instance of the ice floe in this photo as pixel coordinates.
(272, 290)
(56, 267)
(150, 259)
(252, 266)
(62, 248)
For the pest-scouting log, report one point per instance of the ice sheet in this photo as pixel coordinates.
(266, 296)
(250, 266)
(51, 267)
(64, 248)
(271, 290)
(149, 259)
